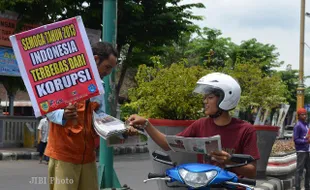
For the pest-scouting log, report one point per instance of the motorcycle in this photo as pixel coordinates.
(202, 176)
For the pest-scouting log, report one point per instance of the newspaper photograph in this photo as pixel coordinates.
(123, 139)
(195, 145)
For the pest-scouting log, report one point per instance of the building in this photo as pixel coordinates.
(22, 103)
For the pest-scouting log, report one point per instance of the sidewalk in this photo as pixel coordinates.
(32, 154)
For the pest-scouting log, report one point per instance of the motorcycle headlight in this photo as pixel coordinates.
(197, 180)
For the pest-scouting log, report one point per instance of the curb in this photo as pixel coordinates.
(130, 150)
(19, 156)
(269, 184)
(5, 156)
(281, 166)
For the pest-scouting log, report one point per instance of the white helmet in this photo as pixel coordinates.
(227, 87)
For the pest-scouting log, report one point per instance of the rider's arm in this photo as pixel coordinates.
(248, 171)
(158, 137)
(249, 146)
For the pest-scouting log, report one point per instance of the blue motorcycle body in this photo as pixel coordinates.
(222, 175)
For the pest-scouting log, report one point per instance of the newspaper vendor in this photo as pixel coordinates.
(221, 94)
(71, 147)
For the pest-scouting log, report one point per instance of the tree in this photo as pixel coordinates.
(307, 95)
(177, 50)
(167, 92)
(210, 48)
(262, 55)
(145, 26)
(207, 49)
(258, 89)
(290, 79)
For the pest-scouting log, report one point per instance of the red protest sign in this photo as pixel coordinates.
(57, 65)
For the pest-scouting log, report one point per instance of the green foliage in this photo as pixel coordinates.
(307, 95)
(167, 92)
(213, 50)
(210, 48)
(262, 55)
(257, 88)
(290, 78)
(126, 111)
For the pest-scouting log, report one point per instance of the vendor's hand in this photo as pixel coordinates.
(131, 131)
(136, 120)
(70, 112)
(221, 157)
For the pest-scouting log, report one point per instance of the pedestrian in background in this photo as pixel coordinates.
(43, 129)
(302, 140)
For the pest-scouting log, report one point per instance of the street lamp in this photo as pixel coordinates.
(301, 86)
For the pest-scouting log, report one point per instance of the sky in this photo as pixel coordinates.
(269, 21)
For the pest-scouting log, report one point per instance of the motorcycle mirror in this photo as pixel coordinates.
(241, 158)
(162, 158)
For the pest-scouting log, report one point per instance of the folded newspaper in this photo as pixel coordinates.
(106, 125)
(113, 131)
(201, 145)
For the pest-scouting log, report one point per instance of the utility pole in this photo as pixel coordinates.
(301, 86)
(107, 177)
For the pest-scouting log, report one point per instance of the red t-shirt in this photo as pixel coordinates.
(238, 137)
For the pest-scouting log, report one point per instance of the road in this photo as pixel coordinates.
(131, 170)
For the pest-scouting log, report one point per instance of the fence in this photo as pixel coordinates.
(12, 129)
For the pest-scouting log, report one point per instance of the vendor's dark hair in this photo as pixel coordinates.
(104, 50)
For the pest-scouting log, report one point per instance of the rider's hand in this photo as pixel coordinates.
(221, 157)
(131, 131)
(70, 112)
(136, 120)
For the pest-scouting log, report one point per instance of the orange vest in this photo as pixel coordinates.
(74, 143)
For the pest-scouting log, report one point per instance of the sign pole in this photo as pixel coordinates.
(108, 178)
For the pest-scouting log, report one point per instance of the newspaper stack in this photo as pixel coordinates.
(113, 131)
(107, 126)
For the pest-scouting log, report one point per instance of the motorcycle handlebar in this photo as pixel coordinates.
(155, 175)
(247, 181)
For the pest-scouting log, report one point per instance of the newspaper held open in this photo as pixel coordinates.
(203, 145)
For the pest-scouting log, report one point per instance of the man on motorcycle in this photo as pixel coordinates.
(221, 94)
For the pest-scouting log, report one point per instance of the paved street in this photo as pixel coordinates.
(131, 170)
